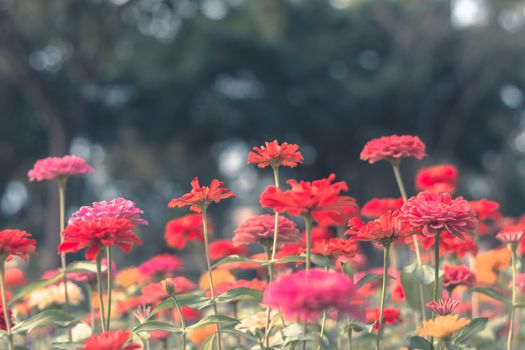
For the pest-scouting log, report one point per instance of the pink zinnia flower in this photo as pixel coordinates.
(511, 234)
(305, 294)
(443, 306)
(275, 155)
(259, 229)
(432, 212)
(392, 148)
(58, 167)
(116, 208)
(457, 275)
(160, 265)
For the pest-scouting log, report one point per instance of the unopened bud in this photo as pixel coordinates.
(168, 286)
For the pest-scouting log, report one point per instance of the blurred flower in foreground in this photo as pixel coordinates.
(111, 340)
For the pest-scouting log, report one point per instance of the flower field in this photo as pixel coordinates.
(297, 276)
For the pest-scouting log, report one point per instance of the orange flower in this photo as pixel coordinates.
(489, 263)
(385, 229)
(129, 277)
(220, 276)
(442, 326)
(202, 196)
(198, 335)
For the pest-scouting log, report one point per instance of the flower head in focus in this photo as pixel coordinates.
(111, 340)
(201, 197)
(275, 155)
(260, 229)
(433, 212)
(52, 168)
(393, 148)
(443, 306)
(385, 229)
(118, 208)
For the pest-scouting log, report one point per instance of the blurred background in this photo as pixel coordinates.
(155, 92)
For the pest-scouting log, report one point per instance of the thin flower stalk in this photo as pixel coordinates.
(62, 180)
(100, 295)
(4, 306)
(110, 284)
(182, 322)
(386, 256)
(514, 260)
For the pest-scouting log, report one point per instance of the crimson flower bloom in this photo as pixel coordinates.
(454, 276)
(160, 265)
(335, 247)
(115, 208)
(223, 248)
(488, 215)
(16, 243)
(393, 148)
(511, 234)
(443, 306)
(186, 228)
(111, 340)
(391, 316)
(52, 168)
(451, 244)
(438, 178)
(275, 155)
(259, 229)
(432, 212)
(96, 233)
(201, 196)
(305, 294)
(376, 207)
(385, 229)
(319, 198)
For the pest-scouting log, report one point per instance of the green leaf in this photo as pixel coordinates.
(419, 343)
(493, 294)
(151, 326)
(45, 318)
(474, 327)
(287, 259)
(214, 319)
(347, 269)
(356, 326)
(424, 274)
(321, 260)
(239, 294)
(411, 278)
(236, 259)
(370, 277)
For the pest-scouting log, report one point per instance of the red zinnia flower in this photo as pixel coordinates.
(160, 265)
(335, 247)
(398, 293)
(320, 198)
(276, 155)
(56, 167)
(260, 229)
(16, 243)
(457, 275)
(376, 207)
(223, 248)
(511, 234)
(443, 306)
(392, 148)
(202, 196)
(188, 227)
(488, 215)
(111, 340)
(391, 315)
(385, 229)
(451, 244)
(437, 178)
(433, 211)
(96, 233)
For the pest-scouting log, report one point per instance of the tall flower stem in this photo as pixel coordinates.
(182, 322)
(436, 263)
(323, 321)
(99, 291)
(210, 275)
(4, 306)
(308, 229)
(350, 339)
(401, 186)
(89, 288)
(110, 283)
(386, 256)
(513, 247)
(62, 213)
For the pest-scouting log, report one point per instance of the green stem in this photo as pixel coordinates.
(182, 322)
(91, 309)
(110, 283)
(436, 270)
(62, 210)
(100, 296)
(323, 321)
(210, 275)
(4, 305)
(308, 229)
(350, 339)
(386, 255)
(305, 332)
(513, 309)
(266, 337)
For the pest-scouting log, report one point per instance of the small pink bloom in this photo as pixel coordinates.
(52, 168)
(443, 306)
(260, 229)
(511, 234)
(393, 147)
(117, 208)
(161, 265)
(458, 275)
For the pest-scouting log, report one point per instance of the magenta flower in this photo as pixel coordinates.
(432, 212)
(393, 147)
(458, 275)
(52, 168)
(305, 294)
(259, 229)
(161, 265)
(119, 208)
(443, 306)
